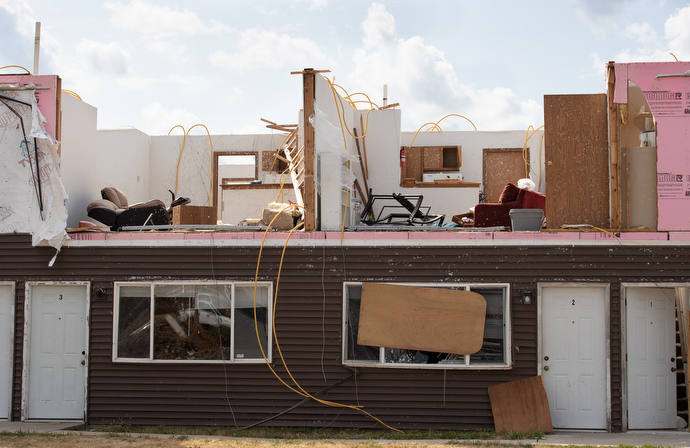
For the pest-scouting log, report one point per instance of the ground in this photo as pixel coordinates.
(21, 440)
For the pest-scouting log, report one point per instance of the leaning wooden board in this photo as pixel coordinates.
(521, 406)
(418, 318)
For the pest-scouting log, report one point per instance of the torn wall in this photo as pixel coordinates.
(32, 199)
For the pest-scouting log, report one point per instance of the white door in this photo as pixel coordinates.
(57, 358)
(651, 341)
(6, 303)
(574, 355)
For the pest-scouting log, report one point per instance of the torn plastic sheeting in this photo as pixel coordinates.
(331, 143)
(19, 206)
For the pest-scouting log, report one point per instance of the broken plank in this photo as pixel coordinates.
(521, 406)
(418, 318)
(361, 161)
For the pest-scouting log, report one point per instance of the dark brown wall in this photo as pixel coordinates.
(308, 327)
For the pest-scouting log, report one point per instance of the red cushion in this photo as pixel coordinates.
(509, 194)
(532, 199)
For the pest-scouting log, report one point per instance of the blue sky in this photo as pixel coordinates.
(156, 64)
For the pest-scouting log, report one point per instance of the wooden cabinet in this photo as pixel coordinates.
(421, 159)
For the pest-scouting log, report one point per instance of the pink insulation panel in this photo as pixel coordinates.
(47, 99)
(669, 101)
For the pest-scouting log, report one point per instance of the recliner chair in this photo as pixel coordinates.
(114, 211)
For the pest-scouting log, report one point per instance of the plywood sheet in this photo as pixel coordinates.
(502, 166)
(413, 163)
(417, 318)
(577, 164)
(521, 406)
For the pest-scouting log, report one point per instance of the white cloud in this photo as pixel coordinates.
(265, 11)
(678, 32)
(599, 15)
(425, 83)
(189, 83)
(267, 49)
(25, 23)
(103, 58)
(173, 52)
(316, 4)
(651, 48)
(644, 33)
(153, 19)
(160, 120)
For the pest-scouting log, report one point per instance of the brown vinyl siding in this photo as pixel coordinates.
(309, 326)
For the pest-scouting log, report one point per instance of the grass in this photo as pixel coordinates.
(293, 433)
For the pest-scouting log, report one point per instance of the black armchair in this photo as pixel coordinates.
(114, 211)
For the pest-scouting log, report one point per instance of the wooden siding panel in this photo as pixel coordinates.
(577, 163)
(309, 325)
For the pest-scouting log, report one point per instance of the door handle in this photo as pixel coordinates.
(83, 362)
(546, 368)
(673, 369)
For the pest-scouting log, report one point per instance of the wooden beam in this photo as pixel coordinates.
(389, 106)
(361, 161)
(364, 198)
(364, 149)
(309, 96)
(614, 151)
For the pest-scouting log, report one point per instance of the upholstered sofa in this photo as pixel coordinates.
(496, 215)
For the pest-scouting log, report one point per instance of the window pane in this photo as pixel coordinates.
(357, 352)
(133, 327)
(246, 344)
(492, 351)
(192, 322)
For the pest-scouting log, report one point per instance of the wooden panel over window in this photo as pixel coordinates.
(577, 165)
(417, 318)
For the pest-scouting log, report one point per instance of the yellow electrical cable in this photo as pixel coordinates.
(179, 158)
(602, 230)
(437, 127)
(69, 92)
(541, 147)
(210, 186)
(15, 66)
(674, 56)
(528, 136)
(301, 391)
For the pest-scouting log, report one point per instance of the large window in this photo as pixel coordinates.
(192, 321)
(495, 351)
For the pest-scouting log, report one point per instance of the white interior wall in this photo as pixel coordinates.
(452, 201)
(249, 203)
(123, 162)
(78, 139)
(332, 152)
(196, 162)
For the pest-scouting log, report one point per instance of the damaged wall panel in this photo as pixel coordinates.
(417, 318)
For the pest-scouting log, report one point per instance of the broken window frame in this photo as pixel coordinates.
(383, 355)
(240, 296)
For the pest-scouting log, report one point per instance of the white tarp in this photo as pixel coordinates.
(20, 211)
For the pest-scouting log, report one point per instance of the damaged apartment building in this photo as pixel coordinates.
(216, 301)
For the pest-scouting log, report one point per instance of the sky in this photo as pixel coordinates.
(153, 64)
